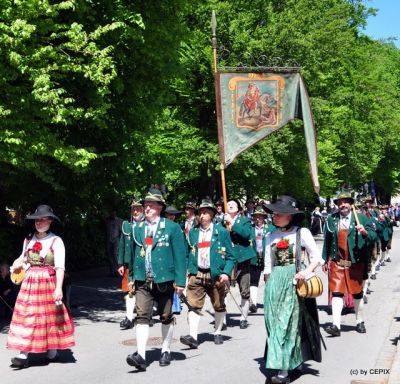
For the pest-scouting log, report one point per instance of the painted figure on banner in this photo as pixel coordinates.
(257, 109)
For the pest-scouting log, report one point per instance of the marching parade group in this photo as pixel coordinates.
(164, 262)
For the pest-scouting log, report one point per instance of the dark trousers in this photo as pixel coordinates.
(162, 294)
(255, 273)
(244, 279)
(112, 253)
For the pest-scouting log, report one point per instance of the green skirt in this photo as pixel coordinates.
(282, 320)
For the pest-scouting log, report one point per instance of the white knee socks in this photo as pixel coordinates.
(219, 321)
(194, 320)
(130, 306)
(253, 295)
(245, 309)
(359, 309)
(337, 306)
(142, 335)
(167, 331)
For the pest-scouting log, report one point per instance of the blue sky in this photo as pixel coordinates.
(386, 22)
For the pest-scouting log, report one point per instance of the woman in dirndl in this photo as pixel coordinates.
(41, 323)
(292, 322)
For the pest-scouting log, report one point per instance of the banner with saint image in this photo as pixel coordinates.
(253, 105)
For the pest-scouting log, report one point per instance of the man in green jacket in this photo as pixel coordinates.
(159, 270)
(211, 261)
(125, 249)
(346, 247)
(242, 237)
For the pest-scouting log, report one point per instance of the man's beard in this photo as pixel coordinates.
(344, 211)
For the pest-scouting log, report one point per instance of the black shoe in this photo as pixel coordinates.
(135, 360)
(189, 341)
(224, 327)
(388, 260)
(373, 276)
(377, 268)
(383, 263)
(243, 324)
(253, 308)
(126, 324)
(53, 359)
(165, 359)
(218, 339)
(332, 330)
(365, 299)
(360, 328)
(368, 292)
(279, 380)
(19, 363)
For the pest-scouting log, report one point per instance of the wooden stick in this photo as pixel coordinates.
(355, 215)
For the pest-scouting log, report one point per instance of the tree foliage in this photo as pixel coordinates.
(101, 98)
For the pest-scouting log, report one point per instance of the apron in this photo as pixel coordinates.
(345, 279)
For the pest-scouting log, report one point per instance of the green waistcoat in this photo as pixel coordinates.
(357, 244)
(242, 236)
(168, 254)
(222, 258)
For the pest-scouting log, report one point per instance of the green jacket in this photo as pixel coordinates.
(382, 230)
(242, 237)
(357, 244)
(168, 254)
(222, 259)
(125, 245)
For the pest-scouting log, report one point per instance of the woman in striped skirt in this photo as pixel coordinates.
(41, 322)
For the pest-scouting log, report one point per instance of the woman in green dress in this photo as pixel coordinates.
(291, 322)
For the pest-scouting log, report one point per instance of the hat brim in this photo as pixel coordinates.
(335, 201)
(282, 208)
(154, 200)
(210, 208)
(41, 216)
(261, 213)
(174, 212)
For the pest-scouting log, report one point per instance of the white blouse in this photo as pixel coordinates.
(307, 241)
(58, 248)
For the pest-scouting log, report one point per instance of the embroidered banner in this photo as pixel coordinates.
(253, 105)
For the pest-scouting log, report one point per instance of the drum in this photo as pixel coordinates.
(17, 276)
(310, 287)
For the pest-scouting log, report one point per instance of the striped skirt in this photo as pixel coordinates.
(38, 324)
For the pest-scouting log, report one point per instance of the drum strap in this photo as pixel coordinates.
(298, 250)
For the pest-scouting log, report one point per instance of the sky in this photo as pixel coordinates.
(386, 22)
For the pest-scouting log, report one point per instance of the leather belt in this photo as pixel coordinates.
(344, 263)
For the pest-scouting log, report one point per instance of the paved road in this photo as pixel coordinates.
(99, 356)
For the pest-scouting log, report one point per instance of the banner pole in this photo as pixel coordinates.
(224, 196)
(219, 113)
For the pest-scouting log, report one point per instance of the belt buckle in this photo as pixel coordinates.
(345, 263)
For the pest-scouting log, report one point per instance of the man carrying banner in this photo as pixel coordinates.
(346, 246)
(242, 236)
(159, 270)
(211, 261)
